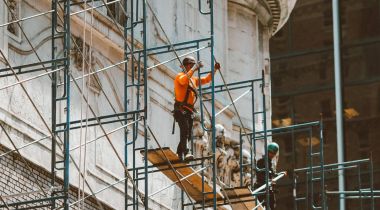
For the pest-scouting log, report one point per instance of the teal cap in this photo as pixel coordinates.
(273, 147)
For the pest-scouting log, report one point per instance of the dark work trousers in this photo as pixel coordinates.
(185, 123)
(263, 197)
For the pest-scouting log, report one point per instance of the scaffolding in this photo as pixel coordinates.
(195, 191)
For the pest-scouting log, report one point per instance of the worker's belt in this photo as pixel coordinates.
(183, 107)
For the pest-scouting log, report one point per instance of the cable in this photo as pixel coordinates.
(176, 173)
(92, 8)
(141, 195)
(28, 96)
(174, 183)
(5, 203)
(125, 61)
(112, 146)
(94, 193)
(81, 106)
(31, 78)
(26, 18)
(184, 71)
(23, 160)
(26, 145)
(112, 131)
(89, 83)
(97, 71)
(224, 82)
(23, 33)
(233, 103)
(176, 54)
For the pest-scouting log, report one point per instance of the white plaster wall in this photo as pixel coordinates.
(248, 53)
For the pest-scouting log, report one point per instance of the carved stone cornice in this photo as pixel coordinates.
(271, 13)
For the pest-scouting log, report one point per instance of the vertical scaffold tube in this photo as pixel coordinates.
(265, 144)
(241, 158)
(53, 97)
(213, 103)
(67, 91)
(338, 100)
(322, 163)
(145, 107)
(126, 107)
(253, 159)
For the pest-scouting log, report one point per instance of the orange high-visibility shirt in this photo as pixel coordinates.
(181, 82)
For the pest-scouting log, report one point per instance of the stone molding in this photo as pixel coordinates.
(271, 13)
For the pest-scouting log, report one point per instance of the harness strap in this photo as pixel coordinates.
(184, 102)
(188, 90)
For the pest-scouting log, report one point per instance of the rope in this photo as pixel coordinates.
(5, 203)
(140, 194)
(183, 178)
(7, 62)
(233, 104)
(30, 99)
(176, 173)
(23, 160)
(176, 54)
(81, 104)
(26, 18)
(24, 34)
(89, 82)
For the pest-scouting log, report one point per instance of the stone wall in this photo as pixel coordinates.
(19, 176)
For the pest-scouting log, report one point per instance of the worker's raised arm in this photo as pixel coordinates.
(184, 78)
(207, 79)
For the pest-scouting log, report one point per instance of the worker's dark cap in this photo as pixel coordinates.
(188, 60)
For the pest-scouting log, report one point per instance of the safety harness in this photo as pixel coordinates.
(180, 105)
(183, 106)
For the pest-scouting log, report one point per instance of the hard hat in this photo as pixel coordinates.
(188, 60)
(273, 147)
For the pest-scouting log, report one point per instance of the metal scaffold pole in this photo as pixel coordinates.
(145, 60)
(213, 138)
(59, 100)
(338, 98)
(126, 106)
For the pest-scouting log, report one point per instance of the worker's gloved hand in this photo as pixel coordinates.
(217, 66)
(200, 64)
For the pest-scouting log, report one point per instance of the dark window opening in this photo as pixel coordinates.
(326, 108)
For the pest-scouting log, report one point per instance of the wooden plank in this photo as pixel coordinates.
(241, 198)
(193, 183)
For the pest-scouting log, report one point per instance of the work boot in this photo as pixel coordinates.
(189, 157)
(180, 157)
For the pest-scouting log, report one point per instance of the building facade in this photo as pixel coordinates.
(303, 87)
(242, 33)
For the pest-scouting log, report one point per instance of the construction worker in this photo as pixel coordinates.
(185, 97)
(273, 149)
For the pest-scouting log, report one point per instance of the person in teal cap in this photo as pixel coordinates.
(273, 149)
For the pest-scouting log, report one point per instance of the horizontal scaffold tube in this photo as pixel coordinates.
(334, 165)
(26, 18)
(113, 131)
(281, 174)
